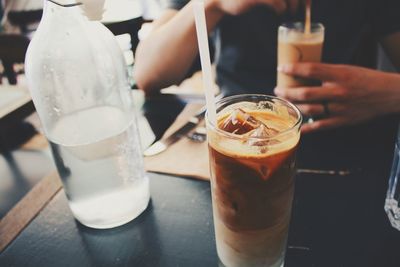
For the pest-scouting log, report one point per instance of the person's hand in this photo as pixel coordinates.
(348, 94)
(237, 7)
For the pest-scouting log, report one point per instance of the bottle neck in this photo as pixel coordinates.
(61, 17)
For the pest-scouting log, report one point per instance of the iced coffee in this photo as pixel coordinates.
(252, 158)
(295, 44)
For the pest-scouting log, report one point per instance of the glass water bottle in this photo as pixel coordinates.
(79, 85)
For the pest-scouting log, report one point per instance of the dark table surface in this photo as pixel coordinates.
(332, 225)
(337, 220)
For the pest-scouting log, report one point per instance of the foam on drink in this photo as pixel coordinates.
(294, 45)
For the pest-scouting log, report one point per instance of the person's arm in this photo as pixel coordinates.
(166, 55)
(348, 94)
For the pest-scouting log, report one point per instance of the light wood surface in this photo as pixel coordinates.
(26, 210)
(121, 10)
(184, 158)
(12, 98)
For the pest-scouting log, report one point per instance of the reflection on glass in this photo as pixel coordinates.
(392, 207)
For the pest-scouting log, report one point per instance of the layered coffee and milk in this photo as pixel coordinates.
(296, 45)
(252, 158)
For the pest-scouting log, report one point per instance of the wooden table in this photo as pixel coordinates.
(15, 103)
(337, 219)
(332, 225)
(121, 10)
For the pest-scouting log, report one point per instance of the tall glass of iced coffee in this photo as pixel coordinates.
(252, 160)
(295, 44)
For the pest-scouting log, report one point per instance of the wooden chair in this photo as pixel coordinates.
(12, 51)
(23, 19)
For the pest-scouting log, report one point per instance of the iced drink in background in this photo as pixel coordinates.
(252, 160)
(392, 203)
(295, 45)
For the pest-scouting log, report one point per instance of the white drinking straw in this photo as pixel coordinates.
(202, 38)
